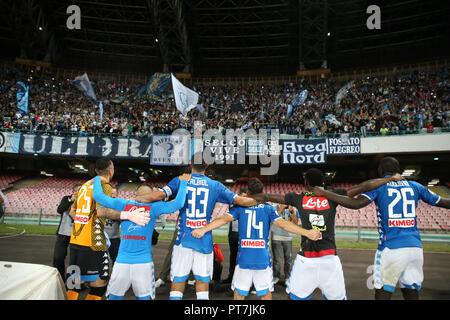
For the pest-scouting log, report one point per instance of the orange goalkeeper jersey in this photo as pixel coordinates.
(88, 229)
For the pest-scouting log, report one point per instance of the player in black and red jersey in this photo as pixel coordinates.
(317, 264)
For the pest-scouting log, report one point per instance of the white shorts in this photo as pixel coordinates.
(324, 273)
(186, 259)
(244, 278)
(404, 265)
(139, 276)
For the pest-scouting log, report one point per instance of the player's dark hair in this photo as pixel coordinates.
(314, 177)
(198, 163)
(255, 186)
(102, 165)
(389, 165)
(242, 190)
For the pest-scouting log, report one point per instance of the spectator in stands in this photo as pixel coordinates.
(64, 231)
(113, 232)
(407, 101)
(281, 242)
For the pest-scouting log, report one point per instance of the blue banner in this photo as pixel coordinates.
(22, 97)
(304, 151)
(344, 145)
(155, 86)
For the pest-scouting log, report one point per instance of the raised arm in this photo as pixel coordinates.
(151, 197)
(289, 226)
(371, 184)
(100, 197)
(169, 207)
(113, 207)
(217, 223)
(345, 201)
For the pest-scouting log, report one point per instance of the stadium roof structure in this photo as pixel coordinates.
(219, 36)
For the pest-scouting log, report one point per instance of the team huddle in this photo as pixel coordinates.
(399, 258)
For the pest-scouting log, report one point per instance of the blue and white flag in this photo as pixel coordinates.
(84, 85)
(100, 107)
(343, 92)
(22, 97)
(290, 110)
(247, 125)
(201, 108)
(155, 86)
(185, 98)
(300, 98)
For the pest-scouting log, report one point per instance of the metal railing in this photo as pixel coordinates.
(148, 134)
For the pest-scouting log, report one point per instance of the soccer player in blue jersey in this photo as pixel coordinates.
(254, 264)
(189, 253)
(399, 257)
(134, 266)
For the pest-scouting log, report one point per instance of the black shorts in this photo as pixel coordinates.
(92, 264)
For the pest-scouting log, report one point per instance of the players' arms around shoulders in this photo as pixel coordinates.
(263, 197)
(113, 208)
(245, 201)
(289, 226)
(159, 195)
(372, 184)
(161, 207)
(345, 201)
(216, 223)
(443, 203)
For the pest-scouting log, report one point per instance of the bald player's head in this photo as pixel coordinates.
(144, 189)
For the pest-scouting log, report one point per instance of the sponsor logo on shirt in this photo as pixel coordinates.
(402, 223)
(195, 224)
(315, 203)
(316, 220)
(129, 237)
(132, 208)
(249, 243)
(81, 219)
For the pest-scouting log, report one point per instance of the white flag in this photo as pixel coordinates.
(185, 98)
(100, 106)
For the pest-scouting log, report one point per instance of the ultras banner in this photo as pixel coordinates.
(85, 146)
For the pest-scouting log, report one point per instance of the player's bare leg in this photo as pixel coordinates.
(237, 296)
(267, 296)
(98, 289)
(381, 294)
(176, 289)
(410, 294)
(202, 289)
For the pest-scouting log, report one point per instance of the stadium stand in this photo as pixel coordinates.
(47, 194)
(400, 103)
(6, 180)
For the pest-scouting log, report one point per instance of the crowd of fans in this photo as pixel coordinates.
(393, 104)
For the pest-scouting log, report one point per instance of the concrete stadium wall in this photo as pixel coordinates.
(406, 143)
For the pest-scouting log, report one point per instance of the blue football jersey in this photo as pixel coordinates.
(396, 204)
(136, 241)
(202, 195)
(254, 230)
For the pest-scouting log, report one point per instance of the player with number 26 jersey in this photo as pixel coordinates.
(396, 209)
